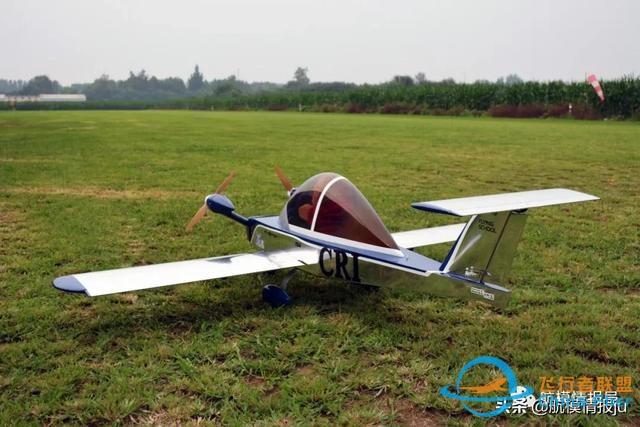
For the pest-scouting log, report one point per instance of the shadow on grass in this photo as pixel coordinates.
(184, 309)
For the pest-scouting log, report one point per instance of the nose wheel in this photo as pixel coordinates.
(277, 296)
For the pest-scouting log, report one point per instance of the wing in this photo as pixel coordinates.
(428, 236)
(477, 205)
(174, 273)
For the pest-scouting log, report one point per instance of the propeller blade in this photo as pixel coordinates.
(283, 179)
(202, 212)
(224, 184)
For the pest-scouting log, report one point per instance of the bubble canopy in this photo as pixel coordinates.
(329, 204)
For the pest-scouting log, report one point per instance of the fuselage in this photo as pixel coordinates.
(411, 271)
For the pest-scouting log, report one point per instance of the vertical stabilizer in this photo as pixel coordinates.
(486, 247)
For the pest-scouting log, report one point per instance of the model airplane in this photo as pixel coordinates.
(327, 227)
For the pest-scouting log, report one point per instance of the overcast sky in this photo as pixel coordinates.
(346, 40)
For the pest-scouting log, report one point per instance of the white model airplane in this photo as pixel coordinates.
(327, 227)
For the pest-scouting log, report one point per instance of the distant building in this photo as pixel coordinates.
(45, 97)
(62, 98)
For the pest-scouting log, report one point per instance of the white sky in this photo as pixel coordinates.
(346, 40)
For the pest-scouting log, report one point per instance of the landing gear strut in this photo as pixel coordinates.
(277, 296)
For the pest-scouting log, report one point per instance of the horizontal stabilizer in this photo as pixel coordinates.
(174, 273)
(467, 206)
(428, 236)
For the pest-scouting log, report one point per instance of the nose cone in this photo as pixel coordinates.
(219, 203)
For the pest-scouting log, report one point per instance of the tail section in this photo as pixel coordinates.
(487, 245)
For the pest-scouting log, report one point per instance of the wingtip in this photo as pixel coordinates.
(68, 284)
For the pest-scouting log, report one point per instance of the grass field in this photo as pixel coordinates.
(84, 191)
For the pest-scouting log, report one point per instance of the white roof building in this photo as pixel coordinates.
(45, 97)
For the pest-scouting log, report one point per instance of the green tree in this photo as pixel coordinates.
(511, 79)
(228, 87)
(196, 80)
(403, 80)
(41, 84)
(301, 76)
(102, 89)
(174, 85)
(138, 82)
(10, 86)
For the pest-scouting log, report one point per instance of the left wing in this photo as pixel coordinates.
(174, 273)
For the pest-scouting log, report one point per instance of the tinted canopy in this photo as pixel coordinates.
(328, 203)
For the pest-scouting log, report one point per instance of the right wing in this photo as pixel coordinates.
(174, 273)
(428, 236)
(467, 206)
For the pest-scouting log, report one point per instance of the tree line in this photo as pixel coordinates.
(141, 86)
(508, 96)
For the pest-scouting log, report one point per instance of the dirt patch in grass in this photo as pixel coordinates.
(12, 230)
(633, 292)
(634, 421)
(159, 418)
(128, 298)
(409, 414)
(101, 193)
(32, 160)
(592, 355)
(273, 391)
(9, 218)
(304, 370)
(135, 247)
(255, 381)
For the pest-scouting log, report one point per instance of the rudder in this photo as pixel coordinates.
(486, 247)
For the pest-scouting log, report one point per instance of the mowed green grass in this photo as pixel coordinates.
(82, 191)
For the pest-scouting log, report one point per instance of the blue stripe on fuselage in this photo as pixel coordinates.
(411, 260)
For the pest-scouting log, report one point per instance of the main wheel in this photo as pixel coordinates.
(276, 296)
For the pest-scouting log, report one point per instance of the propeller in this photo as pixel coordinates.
(286, 182)
(202, 212)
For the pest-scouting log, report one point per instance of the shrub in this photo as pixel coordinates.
(530, 111)
(277, 107)
(438, 112)
(397, 108)
(585, 112)
(558, 110)
(329, 108)
(355, 108)
(519, 111)
(502, 111)
(456, 111)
